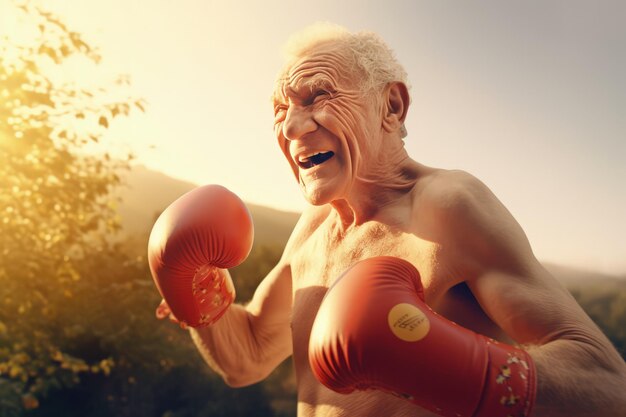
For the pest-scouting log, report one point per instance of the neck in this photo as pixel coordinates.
(370, 196)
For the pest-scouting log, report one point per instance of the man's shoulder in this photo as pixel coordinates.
(459, 211)
(450, 190)
(450, 204)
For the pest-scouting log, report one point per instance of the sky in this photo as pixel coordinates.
(530, 97)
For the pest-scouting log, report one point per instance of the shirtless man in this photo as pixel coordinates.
(340, 107)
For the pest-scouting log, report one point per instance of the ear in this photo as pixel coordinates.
(395, 106)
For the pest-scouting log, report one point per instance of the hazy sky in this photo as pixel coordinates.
(528, 96)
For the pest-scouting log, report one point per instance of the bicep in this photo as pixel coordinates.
(578, 370)
(271, 304)
(531, 306)
(269, 318)
(525, 301)
(269, 311)
(512, 287)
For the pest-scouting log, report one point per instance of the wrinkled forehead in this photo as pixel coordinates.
(320, 68)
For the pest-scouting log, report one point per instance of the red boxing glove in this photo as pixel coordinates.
(373, 330)
(192, 242)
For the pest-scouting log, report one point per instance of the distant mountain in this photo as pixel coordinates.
(147, 193)
(574, 278)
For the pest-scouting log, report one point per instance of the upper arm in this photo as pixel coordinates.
(270, 308)
(510, 284)
(579, 372)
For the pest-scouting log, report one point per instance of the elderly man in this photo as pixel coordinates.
(437, 305)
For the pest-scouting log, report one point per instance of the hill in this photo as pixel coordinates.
(579, 279)
(147, 193)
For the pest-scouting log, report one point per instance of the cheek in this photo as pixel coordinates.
(352, 125)
(340, 119)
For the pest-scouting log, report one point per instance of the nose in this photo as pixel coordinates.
(298, 122)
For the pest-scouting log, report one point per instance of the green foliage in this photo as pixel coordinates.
(78, 335)
(55, 213)
(249, 274)
(606, 305)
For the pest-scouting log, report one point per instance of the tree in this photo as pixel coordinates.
(78, 334)
(56, 213)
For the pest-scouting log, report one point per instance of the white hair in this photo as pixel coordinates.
(367, 54)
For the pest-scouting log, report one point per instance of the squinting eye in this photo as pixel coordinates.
(279, 113)
(319, 95)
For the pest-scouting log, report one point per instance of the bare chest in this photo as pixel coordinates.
(327, 255)
(317, 265)
(320, 262)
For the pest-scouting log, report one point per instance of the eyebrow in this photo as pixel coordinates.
(287, 84)
(316, 80)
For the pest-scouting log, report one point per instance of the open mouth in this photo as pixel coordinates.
(309, 161)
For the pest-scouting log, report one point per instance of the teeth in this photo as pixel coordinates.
(305, 156)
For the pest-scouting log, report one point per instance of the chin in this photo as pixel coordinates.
(318, 196)
(315, 199)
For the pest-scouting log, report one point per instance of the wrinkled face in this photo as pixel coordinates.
(325, 126)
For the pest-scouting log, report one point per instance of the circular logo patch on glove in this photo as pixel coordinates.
(408, 322)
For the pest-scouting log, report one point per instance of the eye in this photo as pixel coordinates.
(319, 95)
(280, 111)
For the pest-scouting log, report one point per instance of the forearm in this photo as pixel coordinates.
(579, 379)
(237, 351)
(579, 372)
